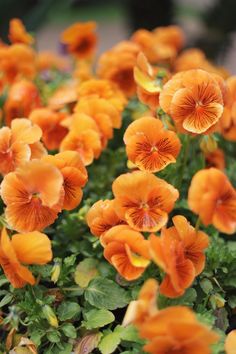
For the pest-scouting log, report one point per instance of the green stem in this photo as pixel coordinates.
(184, 162)
(197, 225)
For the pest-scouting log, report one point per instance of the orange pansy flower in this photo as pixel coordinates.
(213, 198)
(83, 70)
(146, 41)
(29, 248)
(194, 100)
(47, 60)
(143, 200)
(227, 123)
(176, 330)
(51, 124)
(145, 306)
(18, 34)
(16, 62)
(80, 39)
(74, 174)
(127, 250)
(172, 36)
(194, 242)
(64, 96)
(103, 89)
(169, 254)
(117, 65)
(149, 146)
(194, 58)
(23, 97)
(33, 195)
(102, 216)
(37, 150)
(216, 159)
(149, 81)
(103, 113)
(15, 144)
(230, 343)
(84, 137)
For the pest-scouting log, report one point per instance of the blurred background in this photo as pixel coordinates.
(208, 24)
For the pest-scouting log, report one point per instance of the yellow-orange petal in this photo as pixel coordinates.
(32, 248)
(230, 343)
(23, 130)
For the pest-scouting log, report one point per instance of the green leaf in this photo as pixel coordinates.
(128, 333)
(67, 349)
(54, 336)
(109, 343)
(69, 330)
(98, 318)
(86, 271)
(36, 336)
(206, 285)
(104, 293)
(232, 301)
(68, 310)
(3, 280)
(6, 299)
(187, 299)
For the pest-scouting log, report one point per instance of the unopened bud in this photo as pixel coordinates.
(50, 315)
(56, 270)
(208, 144)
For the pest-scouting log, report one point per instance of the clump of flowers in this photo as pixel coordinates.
(117, 196)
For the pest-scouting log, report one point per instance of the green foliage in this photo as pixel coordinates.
(105, 293)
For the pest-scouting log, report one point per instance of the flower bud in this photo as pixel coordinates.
(208, 144)
(56, 270)
(50, 315)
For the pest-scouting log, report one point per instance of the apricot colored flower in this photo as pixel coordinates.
(29, 248)
(194, 58)
(64, 96)
(216, 159)
(18, 34)
(176, 330)
(230, 343)
(194, 242)
(80, 39)
(194, 100)
(102, 216)
(83, 137)
(213, 198)
(127, 250)
(23, 97)
(15, 144)
(172, 36)
(103, 89)
(33, 195)
(146, 41)
(51, 124)
(145, 306)
(149, 146)
(37, 150)
(227, 122)
(83, 71)
(169, 254)
(103, 113)
(117, 65)
(17, 61)
(74, 174)
(149, 81)
(143, 200)
(47, 60)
